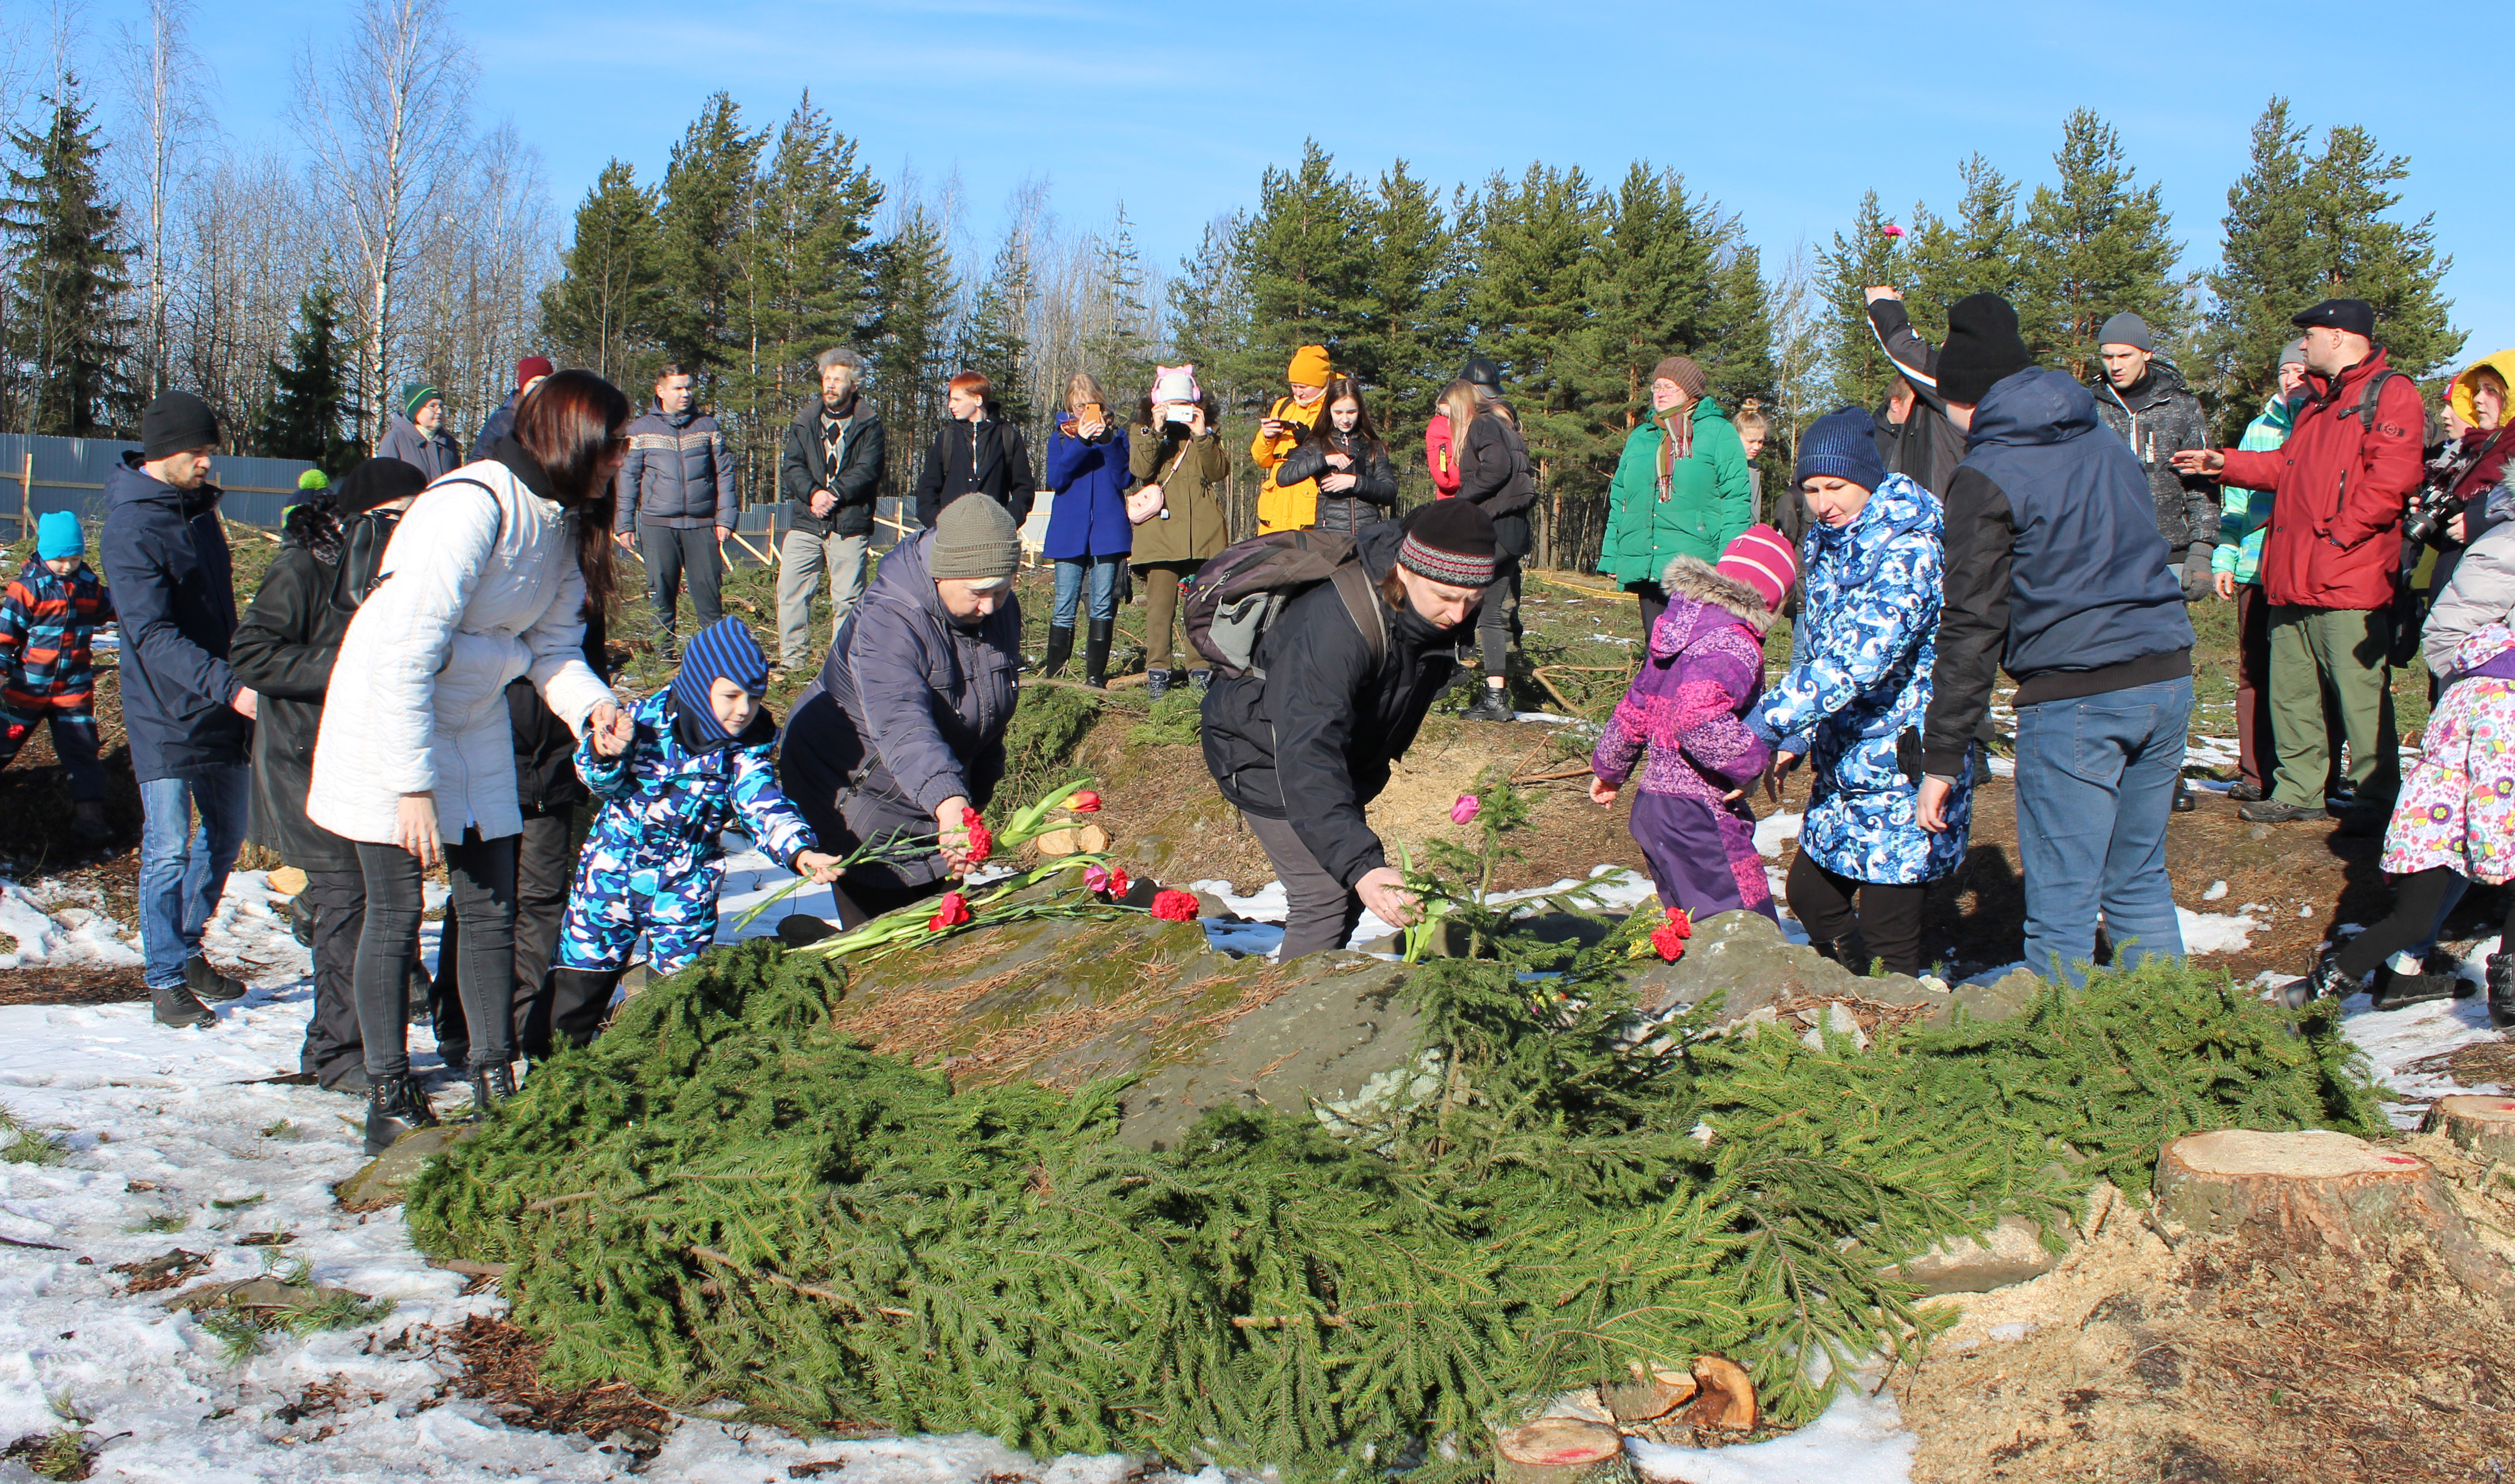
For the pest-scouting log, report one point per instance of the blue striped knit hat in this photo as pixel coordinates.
(724, 649)
(1842, 446)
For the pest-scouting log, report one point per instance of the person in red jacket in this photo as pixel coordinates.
(2338, 486)
(1438, 456)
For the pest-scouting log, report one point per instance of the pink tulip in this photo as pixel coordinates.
(1095, 877)
(1465, 810)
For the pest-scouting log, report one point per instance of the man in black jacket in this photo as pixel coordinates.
(2056, 571)
(189, 719)
(1913, 435)
(830, 472)
(975, 453)
(1304, 740)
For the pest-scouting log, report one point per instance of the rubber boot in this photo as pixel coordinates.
(2501, 990)
(1061, 646)
(1096, 652)
(394, 1108)
(178, 1007)
(87, 822)
(492, 1085)
(1489, 706)
(1157, 683)
(2325, 982)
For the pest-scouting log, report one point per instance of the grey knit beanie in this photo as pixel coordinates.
(974, 539)
(2127, 329)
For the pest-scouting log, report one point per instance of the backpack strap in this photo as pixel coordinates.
(2371, 393)
(1362, 603)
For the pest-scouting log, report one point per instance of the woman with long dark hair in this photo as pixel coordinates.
(489, 577)
(1348, 460)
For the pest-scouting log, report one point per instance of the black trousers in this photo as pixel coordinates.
(2418, 898)
(1498, 623)
(482, 874)
(338, 902)
(1889, 918)
(672, 553)
(545, 867)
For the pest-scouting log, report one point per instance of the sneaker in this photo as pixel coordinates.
(208, 984)
(2436, 979)
(2272, 811)
(178, 1007)
(2245, 792)
(1489, 706)
(1200, 678)
(1157, 683)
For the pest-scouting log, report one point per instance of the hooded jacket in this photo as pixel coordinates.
(2243, 511)
(664, 803)
(1686, 706)
(1494, 471)
(2158, 417)
(678, 474)
(1089, 516)
(1926, 445)
(1191, 527)
(1285, 507)
(1866, 643)
(2054, 566)
(2482, 592)
(986, 456)
(1373, 491)
(501, 424)
(284, 649)
(909, 710)
(166, 560)
(48, 627)
(479, 587)
(434, 454)
(2339, 489)
(803, 467)
(1710, 499)
(1309, 734)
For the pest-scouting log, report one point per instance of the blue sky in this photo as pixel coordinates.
(1785, 114)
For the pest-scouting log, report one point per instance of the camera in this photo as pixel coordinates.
(1179, 412)
(2431, 511)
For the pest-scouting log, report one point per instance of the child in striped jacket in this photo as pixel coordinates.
(48, 616)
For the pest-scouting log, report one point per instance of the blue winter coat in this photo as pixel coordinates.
(501, 424)
(1090, 479)
(662, 806)
(1859, 680)
(678, 474)
(166, 560)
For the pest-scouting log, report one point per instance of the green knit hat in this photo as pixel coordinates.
(313, 479)
(975, 538)
(415, 396)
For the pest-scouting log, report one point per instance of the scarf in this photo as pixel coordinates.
(834, 431)
(1677, 440)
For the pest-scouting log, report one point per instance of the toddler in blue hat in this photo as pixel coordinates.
(48, 616)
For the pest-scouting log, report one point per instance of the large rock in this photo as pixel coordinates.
(2011, 1252)
(1743, 957)
(383, 1178)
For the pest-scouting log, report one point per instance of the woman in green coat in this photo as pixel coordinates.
(1681, 489)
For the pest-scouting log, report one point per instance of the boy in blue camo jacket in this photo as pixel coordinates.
(683, 764)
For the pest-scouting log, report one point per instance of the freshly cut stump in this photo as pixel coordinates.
(1087, 840)
(1560, 1450)
(2485, 1126)
(1651, 1394)
(2320, 1189)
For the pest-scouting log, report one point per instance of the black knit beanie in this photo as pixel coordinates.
(374, 482)
(1450, 540)
(175, 423)
(1983, 347)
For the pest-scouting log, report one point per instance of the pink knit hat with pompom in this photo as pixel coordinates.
(1761, 557)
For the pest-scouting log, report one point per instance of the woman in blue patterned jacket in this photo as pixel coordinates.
(1853, 701)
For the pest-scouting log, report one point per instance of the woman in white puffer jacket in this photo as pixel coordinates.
(488, 577)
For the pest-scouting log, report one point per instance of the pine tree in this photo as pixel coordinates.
(69, 330)
(994, 334)
(598, 313)
(1308, 259)
(1651, 293)
(914, 290)
(311, 407)
(2391, 264)
(1209, 316)
(810, 251)
(1413, 322)
(701, 222)
(1857, 260)
(2097, 243)
(1976, 252)
(1529, 302)
(1738, 343)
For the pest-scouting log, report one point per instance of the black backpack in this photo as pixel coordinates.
(1233, 597)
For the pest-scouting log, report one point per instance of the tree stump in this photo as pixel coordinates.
(2485, 1126)
(2320, 1189)
(1561, 1450)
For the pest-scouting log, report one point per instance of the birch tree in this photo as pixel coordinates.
(165, 93)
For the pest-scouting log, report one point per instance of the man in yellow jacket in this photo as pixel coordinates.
(1290, 506)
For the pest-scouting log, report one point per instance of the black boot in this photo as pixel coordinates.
(1157, 683)
(1200, 678)
(2183, 803)
(2501, 990)
(1849, 951)
(208, 984)
(178, 1007)
(2439, 978)
(1061, 646)
(2325, 982)
(492, 1085)
(418, 992)
(1096, 652)
(87, 822)
(394, 1108)
(1489, 706)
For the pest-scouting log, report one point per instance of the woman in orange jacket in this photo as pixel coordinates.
(1290, 506)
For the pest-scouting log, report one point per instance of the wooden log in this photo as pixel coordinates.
(2485, 1126)
(1651, 1393)
(2319, 1190)
(1086, 840)
(1560, 1450)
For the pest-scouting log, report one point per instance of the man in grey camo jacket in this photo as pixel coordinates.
(2142, 398)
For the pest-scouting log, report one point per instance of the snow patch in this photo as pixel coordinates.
(2217, 890)
(1860, 1439)
(1773, 831)
(2216, 932)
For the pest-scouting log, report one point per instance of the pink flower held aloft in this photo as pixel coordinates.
(1465, 810)
(1891, 229)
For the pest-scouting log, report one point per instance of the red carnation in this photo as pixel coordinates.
(1680, 923)
(982, 840)
(1669, 942)
(954, 910)
(1174, 906)
(1118, 881)
(1085, 801)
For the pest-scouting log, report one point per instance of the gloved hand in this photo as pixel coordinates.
(2198, 581)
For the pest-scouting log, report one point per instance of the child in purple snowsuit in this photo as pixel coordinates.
(1705, 671)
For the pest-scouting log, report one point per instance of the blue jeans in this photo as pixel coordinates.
(182, 869)
(1105, 587)
(2095, 785)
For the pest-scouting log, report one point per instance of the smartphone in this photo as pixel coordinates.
(1180, 412)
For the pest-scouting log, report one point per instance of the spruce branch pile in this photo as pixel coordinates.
(723, 1197)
